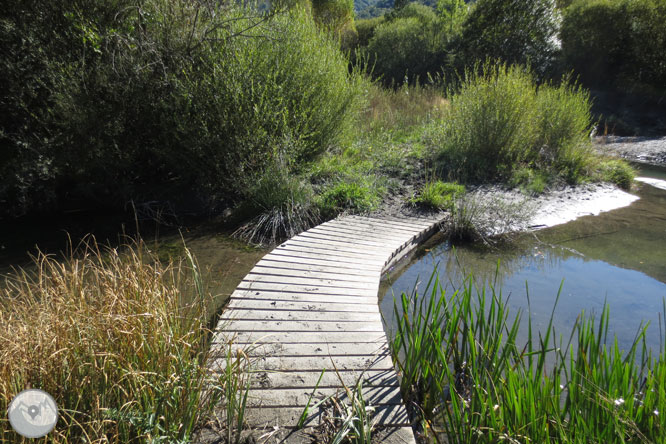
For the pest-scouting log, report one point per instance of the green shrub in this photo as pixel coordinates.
(499, 121)
(616, 171)
(439, 195)
(489, 125)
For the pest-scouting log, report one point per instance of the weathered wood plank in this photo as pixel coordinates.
(295, 296)
(304, 326)
(330, 248)
(299, 288)
(388, 416)
(313, 363)
(358, 243)
(295, 337)
(365, 284)
(394, 223)
(301, 315)
(375, 224)
(276, 349)
(333, 308)
(352, 231)
(333, 255)
(330, 379)
(370, 238)
(284, 398)
(355, 273)
(334, 262)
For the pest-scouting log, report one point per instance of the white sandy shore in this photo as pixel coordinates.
(563, 206)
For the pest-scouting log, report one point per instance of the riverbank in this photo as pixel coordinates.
(634, 149)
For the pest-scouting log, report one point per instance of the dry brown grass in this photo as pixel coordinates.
(107, 335)
(402, 108)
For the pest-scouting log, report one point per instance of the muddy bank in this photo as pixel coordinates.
(635, 149)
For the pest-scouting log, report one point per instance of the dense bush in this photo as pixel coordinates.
(514, 31)
(106, 101)
(408, 46)
(616, 43)
(498, 121)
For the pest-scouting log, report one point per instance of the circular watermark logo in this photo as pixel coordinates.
(33, 413)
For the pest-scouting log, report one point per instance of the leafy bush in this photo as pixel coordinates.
(616, 43)
(407, 47)
(514, 31)
(498, 121)
(161, 100)
(439, 195)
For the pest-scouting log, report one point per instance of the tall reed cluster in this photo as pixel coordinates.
(116, 337)
(472, 379)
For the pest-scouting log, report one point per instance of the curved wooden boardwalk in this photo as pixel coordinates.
(312, 304)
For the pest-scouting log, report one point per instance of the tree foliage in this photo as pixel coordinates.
(513, 31)
(616, 43)
(116, 100)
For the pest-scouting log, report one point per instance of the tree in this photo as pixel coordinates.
(514, 31)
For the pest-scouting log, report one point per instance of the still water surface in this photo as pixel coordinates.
(618, 257)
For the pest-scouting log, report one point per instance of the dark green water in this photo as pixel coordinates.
(618, 257)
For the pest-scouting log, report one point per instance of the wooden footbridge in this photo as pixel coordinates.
(312, 304)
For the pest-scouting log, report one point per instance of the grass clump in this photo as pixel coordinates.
(282, 205)
(499, 121)
(358, 196)
(616, 171)
(461, 361)
(439, 195)
(120, 341)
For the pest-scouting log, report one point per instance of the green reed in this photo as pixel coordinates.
(473, 379)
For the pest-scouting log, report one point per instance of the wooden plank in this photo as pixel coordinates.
(373, 231)
(332, 248)
(364, 284)
(387, 416)
(272, 262)
(395, 223)
(380, 226)
(379, 236)
(358, 242)
(298, 288)
(312, 363)
(330, 379)
(375, 224)
(322, 349)
(347, 247)
(303, 326)
(295, 296)
(298, 397)
(279, 305)
(408, 221)
(336, 255)
(318, 259)
(295, 337)
(301, 315)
